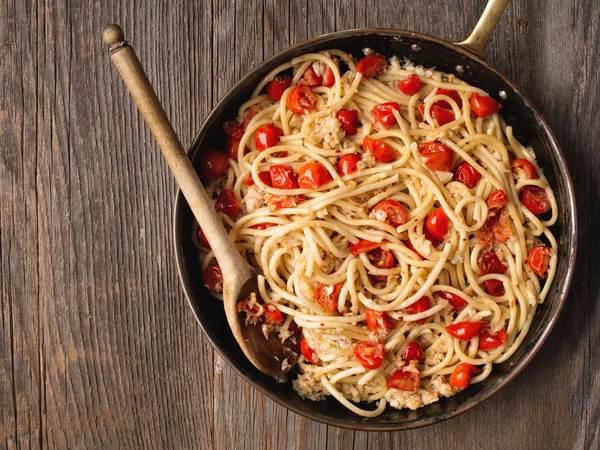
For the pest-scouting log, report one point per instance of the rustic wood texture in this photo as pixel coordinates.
(98, 348)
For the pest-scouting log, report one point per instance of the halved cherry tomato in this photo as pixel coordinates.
(410, 85)
(382, 259)
(267, 136)
(363, 246)
(457, 302)
(382, 151)
(404, 380)
(265, 177)
(436, 156)
(348, 164)
(494, 287)
(539, 260)
(497, 199)
(203, 239)
(465, 330)
(310, 78)
(227, 204)
(213, 164)
(283, 177)
(483, 106)
(272, 315)
(488, 341)
(349, 121)
(378, 319)
(369, 354)
(437, 224)
(213, 278)
(535, 199)
(308, 352)
(454, 95)
(301, 100)
(466, 174)
(276, 202)
(409, 245)
(234, 128)
(462, 374)
(263, 226)
(231, 147)
(423, 304)
(277, 86)
(328, 77)
(413, 351)
(384, 113)
(393, 212)
(442, 115)
(313, 176)
(371, 66)
(327, 295)
(490, 263)
(521, 168)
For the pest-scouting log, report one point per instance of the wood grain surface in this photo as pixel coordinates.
(98, 348)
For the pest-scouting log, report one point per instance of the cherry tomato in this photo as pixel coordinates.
(436, 156)
(267, 136)
(234, 128)
(467, 175)
(490, 263)
(393, 212)
(227, 204)
(349, 121)
(263, 226)
(457, 302)
(378, 319)
(442, 115)
(382, 151)
(348, 164)
(369, 354)
(413, 351)
(264, 176)
(213, 278)
(521, 168)
(203, 239)
(423, 304)
(327, 295)
(249, 114)
(539, 260)
(409, 245)
(283, 177)
(310, 78)
(272, 315)
(535, 199)
(384, 113)
(276, 202)
(494, 287)
(371, 66)
(404, 380)
(308, 352)
(313, 176)
(301, 100)
(497, 199)
(250, 311)
(462, 374)
(410, 85)
(483, 106)
(382, 259)
(328, 77)
(465, 330)
(363, 246)
(277, 86)
(231, 147)
(437, 224)
(213, 164)
(454, 95)
(488, 341)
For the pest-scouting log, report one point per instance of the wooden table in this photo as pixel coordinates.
(98, 346)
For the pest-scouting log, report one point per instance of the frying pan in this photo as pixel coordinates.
(465, 60)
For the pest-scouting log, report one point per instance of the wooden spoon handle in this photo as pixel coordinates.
(148, 104)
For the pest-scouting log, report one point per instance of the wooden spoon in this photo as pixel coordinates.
(239, 278)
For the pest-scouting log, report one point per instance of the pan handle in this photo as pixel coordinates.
(478, 38)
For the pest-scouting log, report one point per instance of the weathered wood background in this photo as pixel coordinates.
(98, 348)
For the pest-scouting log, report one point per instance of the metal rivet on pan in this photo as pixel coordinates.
(415, 48)
(503, 95)
(459, 69)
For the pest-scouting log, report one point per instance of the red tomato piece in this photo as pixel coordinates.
(234, 128)
(497, 199)
(410, 85)
(539, 260)
(404, 380)
(213, 278)
(227, 204)
(328, 77)
(277, 86)
(490, 263)
(263, 226)
(384, 113)
(494, 287)
(382, 259)
(466, 174)
(310, 78)
(327, 295)
(378, 319)
(265, 177)
(313, 176)
(437, 224)
(371, 66)
(465, 330)
(231, 147)
(213, 164)
(349, 121)
(363, 246)
(457, 302)
(462, 374)
(383, 152)
(488, 341)
(308, 352)
(483, 106)
(272, 315)
(249, 114)
(267, 136)
(276, 202)
(454, 95)
(283, 177)
(442, 115)
(413, 351)
(535, 199)
(393, 212)
(521, 168)
(436, 156)
(411, 247)
(203, 239)
(348, 164)
(369, 354)
(301, 100)
(423, 304)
